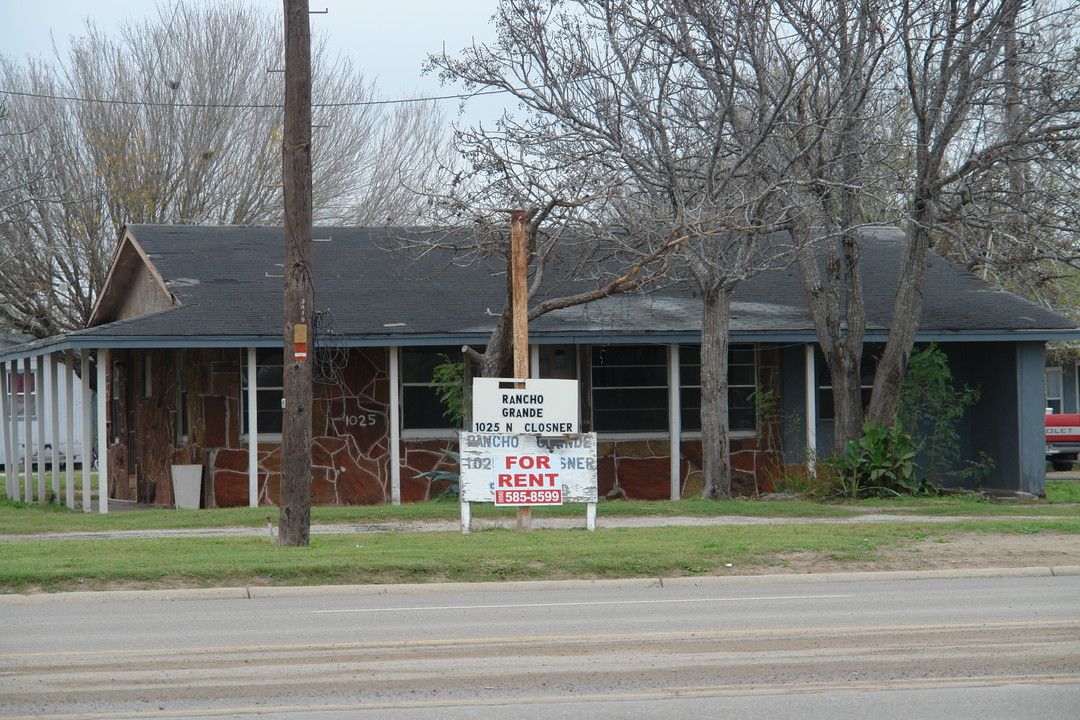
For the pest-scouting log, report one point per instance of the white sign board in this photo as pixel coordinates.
(526, 470)
(540, 407)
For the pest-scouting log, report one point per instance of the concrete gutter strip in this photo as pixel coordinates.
(239, 593)
(1065, 570)
(105, 596)
(814, 578)
(444, 587)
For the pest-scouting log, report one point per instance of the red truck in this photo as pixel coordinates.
(1062, 440)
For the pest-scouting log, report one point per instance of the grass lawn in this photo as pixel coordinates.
(449, 556)
(22, 518)
(56, 565)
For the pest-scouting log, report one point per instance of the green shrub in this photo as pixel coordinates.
(930, 411)
(813, 480)
(882, 460)
(448, 381)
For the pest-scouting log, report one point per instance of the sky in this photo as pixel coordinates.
(388, 41)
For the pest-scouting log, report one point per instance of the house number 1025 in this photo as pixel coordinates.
(366, 420)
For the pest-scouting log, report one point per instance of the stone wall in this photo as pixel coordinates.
(350, 450)
(350, 439)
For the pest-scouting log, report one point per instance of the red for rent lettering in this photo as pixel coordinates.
(527, 462)
(512, 480)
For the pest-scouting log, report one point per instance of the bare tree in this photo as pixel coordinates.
(1016, 222)
(956, 58)
(846, 132)
(950, 119)
(573, 257)
(177, 120)
(668, 110)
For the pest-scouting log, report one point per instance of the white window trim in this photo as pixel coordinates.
(244, 436)
(1048, 371)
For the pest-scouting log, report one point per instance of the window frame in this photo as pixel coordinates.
(183, 419)
(755, 365)
(18, 380)
(824, 390)
(686, 430)
(261, 390)
(1049, 399)
(661, 409)
(449, 431)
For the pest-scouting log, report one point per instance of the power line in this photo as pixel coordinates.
(240, 106)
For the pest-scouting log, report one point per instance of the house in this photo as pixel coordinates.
(43, 386)
(186, 339)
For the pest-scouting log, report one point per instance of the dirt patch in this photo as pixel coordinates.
(940, 552)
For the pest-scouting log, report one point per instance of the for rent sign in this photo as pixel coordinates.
(527, 470)
(534, 407)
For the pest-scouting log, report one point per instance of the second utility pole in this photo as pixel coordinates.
(519, 299)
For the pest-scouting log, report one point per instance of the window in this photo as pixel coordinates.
(17, 382)
(269, 394)
(116, 422)
(742, 380)
(630, 387)
(181, 401)
(557, 361)
(421, 408)
(825, 407)
(1054, 388)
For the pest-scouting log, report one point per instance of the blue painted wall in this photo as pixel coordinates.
(1006, 424)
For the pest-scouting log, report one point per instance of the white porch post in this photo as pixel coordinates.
(69, 427)
(28, 434)
(13, 430)
(40, 383)
(811, 408)
(5, 404)
(394, 422)
(253, 428)
(13, 413)
(534, 361)
(675, 421)
(87, 429)
(103, 430)
(54, 420)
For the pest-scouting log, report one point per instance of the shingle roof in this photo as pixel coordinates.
(223, 279)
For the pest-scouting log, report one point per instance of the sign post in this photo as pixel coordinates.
(525, 449)
(527, 471)
(519, 304)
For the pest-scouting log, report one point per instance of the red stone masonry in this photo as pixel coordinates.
(350, 450)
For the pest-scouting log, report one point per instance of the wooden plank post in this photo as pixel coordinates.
(519, 263)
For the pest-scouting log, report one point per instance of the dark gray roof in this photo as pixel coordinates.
(10, 339)
(224, 280)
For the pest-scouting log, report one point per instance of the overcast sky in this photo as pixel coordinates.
(388, 41)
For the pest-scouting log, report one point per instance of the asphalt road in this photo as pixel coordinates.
(976, 648)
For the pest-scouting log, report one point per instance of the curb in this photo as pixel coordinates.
(258, 593)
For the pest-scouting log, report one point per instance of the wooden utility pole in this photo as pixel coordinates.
(519, 299)
(294, 515)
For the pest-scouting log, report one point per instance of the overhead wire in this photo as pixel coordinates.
(243, 106)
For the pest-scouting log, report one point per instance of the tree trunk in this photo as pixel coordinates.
(715, 447)
(907, 307)
(841, 344)
(294, 515)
